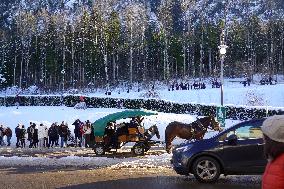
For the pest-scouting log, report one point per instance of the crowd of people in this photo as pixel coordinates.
(43, 136)
(187, 86)
(269, 80)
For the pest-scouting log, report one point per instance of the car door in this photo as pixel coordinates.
(245, 155)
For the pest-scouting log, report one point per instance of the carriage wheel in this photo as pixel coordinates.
(138, 149)
(99, 149)
(147, 146)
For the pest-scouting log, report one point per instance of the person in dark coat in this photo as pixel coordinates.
(23, 136)
(92, 136)
(77, 132)
(8, 133)
(1, 135)
(30, 131)
(63, 132)
(270, 80)
(35, 136)
(52, 134)
(57, 136)
(248, 81)
(134, 124)
(110, 134)
(18, 135)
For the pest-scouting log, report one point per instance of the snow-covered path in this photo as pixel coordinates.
(80, 158)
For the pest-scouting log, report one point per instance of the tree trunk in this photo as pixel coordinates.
(210, 61)
(193, 60)
(73, 62)
(167, 60)
(63, 64)
(83, 64)
(131, 65)
(184, 60)
(282, 49)
(22, 62)
(106, 69)
(131, 54)
(113, 67)
(15, 65)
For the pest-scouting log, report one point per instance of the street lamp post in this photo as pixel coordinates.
(63, 78)
(222, 49)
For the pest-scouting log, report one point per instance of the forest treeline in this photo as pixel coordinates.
(97, 45)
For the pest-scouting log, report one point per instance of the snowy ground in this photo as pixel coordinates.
(271, 96)
(10, 116)
(80, 158)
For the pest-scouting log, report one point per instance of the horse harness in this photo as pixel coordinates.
(196, 127)
(149, 132)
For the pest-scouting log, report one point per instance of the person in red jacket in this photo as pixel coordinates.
(273, 133)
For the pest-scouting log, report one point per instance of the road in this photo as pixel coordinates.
(80, 168)
(109, 178)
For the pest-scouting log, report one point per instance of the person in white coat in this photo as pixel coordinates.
(87, 132)
(43, 135)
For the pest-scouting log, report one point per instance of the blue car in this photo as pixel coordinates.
(235, 151)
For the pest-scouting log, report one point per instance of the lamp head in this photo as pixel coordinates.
(223, 49)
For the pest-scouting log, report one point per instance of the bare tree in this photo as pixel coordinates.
(135, 22)
(26, 27)
(166, 23)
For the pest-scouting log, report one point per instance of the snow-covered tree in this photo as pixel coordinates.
(135, 22)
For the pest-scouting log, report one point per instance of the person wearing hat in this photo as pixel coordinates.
(273, 133)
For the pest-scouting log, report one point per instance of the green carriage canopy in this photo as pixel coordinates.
(100, 124)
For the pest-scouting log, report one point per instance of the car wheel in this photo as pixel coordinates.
(206, 169)
(99, 149)
(138, 149)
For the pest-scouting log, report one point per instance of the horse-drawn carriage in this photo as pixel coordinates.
(110, 135)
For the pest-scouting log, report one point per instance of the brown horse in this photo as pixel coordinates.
(195, 130)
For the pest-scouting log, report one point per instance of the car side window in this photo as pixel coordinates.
(249, 132)
(245, 132)
(225, 135)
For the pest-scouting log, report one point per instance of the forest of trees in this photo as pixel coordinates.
(98, 45)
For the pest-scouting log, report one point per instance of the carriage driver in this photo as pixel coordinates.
(136, 123)
(139, 120)
(110, 132)
(133, 123)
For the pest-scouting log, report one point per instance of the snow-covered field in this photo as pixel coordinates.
(271, 96)
(10, 116)
(235, 94)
